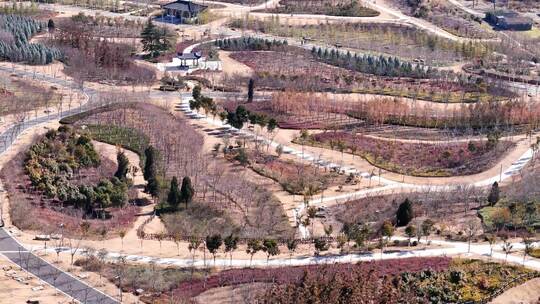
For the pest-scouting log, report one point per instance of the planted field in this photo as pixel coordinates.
(294, 177)
(453, 208)
(444, 159)
(101, 50)
(333, 8)
(401, 41)
(18, 96)
(446, 16)
(300, 71)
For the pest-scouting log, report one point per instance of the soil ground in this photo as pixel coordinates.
(525, 293)
(20, 292)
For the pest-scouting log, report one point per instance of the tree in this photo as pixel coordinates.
(507, 248)
(152, 187)
(194, 244)
(253, 246)
(494, 194)
(174, 197)
(150, 169)
(212, 244)
(272, 125)
(271, 248)
(405, 213)
(529, 246)
(196, 93)
(292, 245)
(410, 231)
(155, 40)
(471, 229)
(123, 166)
(50, 25)
(427, 227)
(187, 191)
(231, 243)
(251, 88)
(320, 245)
(491, 239)
(388, 229)
(122, 235)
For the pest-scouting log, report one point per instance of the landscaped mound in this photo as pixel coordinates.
(418, 159)
(54, 163)
(63, 180)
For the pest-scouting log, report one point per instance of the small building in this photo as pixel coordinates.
(188, 59)
(182, 11)
(508, 20)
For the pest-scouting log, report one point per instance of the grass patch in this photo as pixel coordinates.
(128, 138)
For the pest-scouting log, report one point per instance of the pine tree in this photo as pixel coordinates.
(123, 166)
(251, 89)
(494, 194)
(174, 196)
(187, 191)
(405, 213)
(150, 163)
(155, 40)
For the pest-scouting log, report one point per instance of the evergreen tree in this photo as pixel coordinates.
(187, 191)
(155, 39)
(405, 213)
(123, 166)
(251, 88)
(494, 194)
(150, 163)
(50, 25)
(152, 187)
(174, 196)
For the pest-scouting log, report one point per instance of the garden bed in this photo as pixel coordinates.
(416, 159)
(294, 177)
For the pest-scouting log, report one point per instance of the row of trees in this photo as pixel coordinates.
(15, 34)
(250, 44)
(369, 64)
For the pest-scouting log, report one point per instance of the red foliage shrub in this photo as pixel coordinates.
(287, 275)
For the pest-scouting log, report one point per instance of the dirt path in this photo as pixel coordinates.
(231, 66)
(146, 212)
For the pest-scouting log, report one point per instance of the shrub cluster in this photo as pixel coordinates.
(53, 163)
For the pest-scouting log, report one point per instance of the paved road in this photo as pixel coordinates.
(48, 273)
(19, 255)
